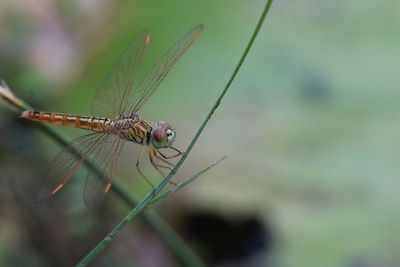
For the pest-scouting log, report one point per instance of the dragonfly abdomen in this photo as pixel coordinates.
(83, 122)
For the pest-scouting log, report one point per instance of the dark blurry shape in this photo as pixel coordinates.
(314, 87)
(230, 240)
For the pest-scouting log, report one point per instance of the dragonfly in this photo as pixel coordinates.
(115, 122)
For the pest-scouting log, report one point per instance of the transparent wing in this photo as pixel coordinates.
(160, 69)
(67, 163)
(112, 96)
(101, 173)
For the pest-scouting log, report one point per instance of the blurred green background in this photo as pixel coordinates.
(310, 128)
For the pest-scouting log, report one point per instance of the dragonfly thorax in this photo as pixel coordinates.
(131, 127)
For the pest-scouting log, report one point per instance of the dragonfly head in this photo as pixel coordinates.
(162, 135)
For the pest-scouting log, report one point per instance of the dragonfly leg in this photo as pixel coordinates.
(162, 158)
(179, 153)
(160, 166)
(157, 166)
(177, 150)
(139, 171)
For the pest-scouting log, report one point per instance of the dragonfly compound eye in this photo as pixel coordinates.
(162, 135)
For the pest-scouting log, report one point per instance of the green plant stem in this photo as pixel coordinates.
(183, 252)
(182, 184)
(142, 204)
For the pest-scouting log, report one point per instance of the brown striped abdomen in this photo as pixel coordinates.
(83, 122)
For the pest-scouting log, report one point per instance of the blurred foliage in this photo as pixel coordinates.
(309, 127)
